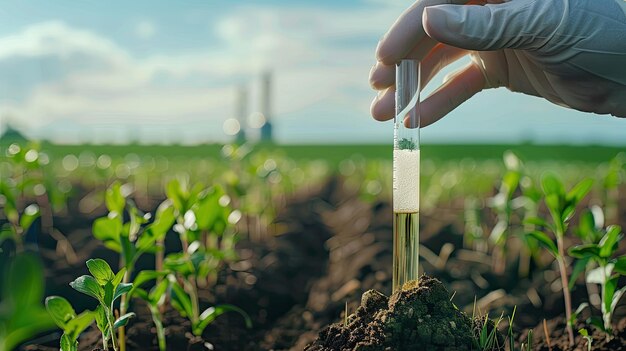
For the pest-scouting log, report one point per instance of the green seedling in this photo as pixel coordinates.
(27, 179)
(189, 266)
(204, 217)
(585, 334)
(510, 335)
(503, 205)
(183, 198)
(66, 318)
(21, 312)
(106, 287)
(530, 199)
(18, 224)
(528, 345)
(610, 268)
(133, 238)
(488, 339)
(155, 298)
(562, 206)
(615, 175)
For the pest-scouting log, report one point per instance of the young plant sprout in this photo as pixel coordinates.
(133, 238)
(66, 318)
(615, 175)
(26, 180)
(562, 206)
(503, 204)
(106, 287)
(183, 198)
(189, 266)
(610, 268)
(585, 334)
(17, 224)
(155, 298)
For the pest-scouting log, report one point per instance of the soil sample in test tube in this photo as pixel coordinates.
(406, 174)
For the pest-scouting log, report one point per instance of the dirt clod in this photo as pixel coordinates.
(416, 318)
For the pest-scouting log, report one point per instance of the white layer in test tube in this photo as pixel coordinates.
(406, 181)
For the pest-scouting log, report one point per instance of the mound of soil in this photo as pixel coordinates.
(419, 317)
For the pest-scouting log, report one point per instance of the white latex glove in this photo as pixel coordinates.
(570, 52)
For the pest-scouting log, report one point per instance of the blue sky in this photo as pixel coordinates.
(162, 71)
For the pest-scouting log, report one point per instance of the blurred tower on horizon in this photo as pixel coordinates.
(266, 98)
(241, 113)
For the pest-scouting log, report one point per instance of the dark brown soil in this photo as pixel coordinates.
(419, 317)
(559, 340)
(335, 248)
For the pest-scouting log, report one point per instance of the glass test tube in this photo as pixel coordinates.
(406, 172)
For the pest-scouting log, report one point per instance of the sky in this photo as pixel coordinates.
(169, 71)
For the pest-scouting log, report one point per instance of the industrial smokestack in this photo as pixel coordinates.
(266, 108)
(242, 113)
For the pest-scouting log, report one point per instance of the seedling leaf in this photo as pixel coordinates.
(620, 265)
(78, 324)
(100, 270)
(608, 244)
(108, 230)
(545, 241)
(585, 251)
(123, 320)
(551, 185)
(180, 300)
(211, 313)
(596, 322)
(114, 199)
(158, 291)
(88, 286)
(119, 277)
(68, 344)
(60, 310)
(101, 321)
(580, 308)
(616, 297)
(144, 277)
(609, 294)
(122, 289)
(579, 191)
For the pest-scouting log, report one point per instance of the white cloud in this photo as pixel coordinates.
(111, 85)
(320, 58)
(145, 29)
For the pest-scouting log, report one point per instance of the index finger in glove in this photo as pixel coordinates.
(407, 32)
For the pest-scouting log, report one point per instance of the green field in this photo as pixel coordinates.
(336, 153)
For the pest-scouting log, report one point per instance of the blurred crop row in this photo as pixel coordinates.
(510, 208)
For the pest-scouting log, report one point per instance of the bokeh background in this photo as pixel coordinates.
(255, 114)
(169, 72)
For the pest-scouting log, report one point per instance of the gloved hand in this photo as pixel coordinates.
(570, 52)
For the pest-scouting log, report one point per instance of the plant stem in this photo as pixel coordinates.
(111, 329)
(156, 317)
(606, 315)
(158, 264)
(565, 286)
(123, 307)
(192, 290)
